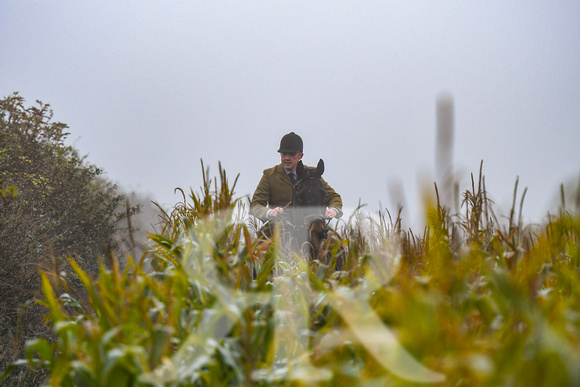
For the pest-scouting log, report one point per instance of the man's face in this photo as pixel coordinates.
(290, 160)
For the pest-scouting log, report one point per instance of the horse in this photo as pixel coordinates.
(308, 206)
(309, 227)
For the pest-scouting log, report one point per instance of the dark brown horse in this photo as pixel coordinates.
(310, 228)
(308, 209)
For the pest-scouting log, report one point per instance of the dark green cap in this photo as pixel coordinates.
(291, 143)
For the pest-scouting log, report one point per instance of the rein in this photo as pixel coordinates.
(307, 220)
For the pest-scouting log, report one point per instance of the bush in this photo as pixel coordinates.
(52, 205)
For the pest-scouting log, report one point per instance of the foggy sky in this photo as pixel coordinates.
(149, 88)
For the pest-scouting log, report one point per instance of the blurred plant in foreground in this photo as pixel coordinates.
(468, 302)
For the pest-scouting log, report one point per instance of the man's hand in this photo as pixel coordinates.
(275, 212)
(330, 213)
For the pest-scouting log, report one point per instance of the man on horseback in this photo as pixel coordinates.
(275, 190)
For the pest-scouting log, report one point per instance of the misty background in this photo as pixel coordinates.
(149, 88)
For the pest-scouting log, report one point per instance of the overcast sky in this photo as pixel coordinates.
(149, 88)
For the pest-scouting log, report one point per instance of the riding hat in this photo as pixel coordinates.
(290, 143)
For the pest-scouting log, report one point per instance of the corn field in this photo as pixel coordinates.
(468, 301)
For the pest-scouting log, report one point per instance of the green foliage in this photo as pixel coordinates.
(52, 204)
(60, 198)
(470, 302)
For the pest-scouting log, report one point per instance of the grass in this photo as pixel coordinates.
(469, 301)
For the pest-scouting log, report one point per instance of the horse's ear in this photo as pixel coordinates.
(300, 169)
(319, 168)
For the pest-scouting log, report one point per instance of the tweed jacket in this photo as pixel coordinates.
(275, 190)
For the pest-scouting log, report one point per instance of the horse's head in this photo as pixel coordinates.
(309, 193)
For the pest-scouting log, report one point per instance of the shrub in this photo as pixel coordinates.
(52, 204)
